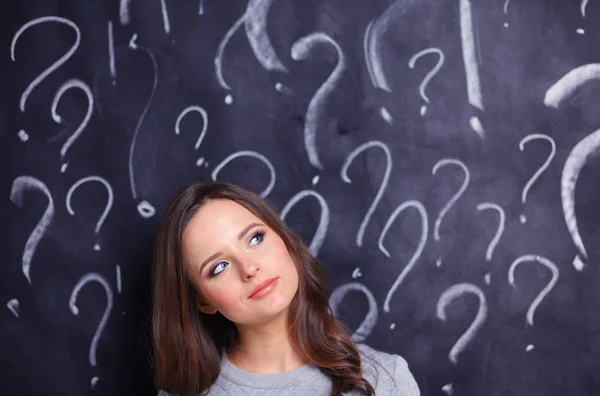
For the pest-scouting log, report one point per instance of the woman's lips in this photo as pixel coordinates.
(263, 288)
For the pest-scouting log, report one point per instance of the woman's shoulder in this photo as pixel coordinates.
(388, 373)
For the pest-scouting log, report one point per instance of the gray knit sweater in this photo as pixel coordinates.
(388, 374)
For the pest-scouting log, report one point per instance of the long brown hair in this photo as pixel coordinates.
(187, 343)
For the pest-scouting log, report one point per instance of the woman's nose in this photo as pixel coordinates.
(248, 267)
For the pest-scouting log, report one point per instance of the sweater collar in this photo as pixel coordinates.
(254, 380)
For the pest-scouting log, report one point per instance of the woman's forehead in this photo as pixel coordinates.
(220, 215)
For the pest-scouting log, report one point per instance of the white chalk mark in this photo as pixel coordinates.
(202, 113)
(499, 231)
(506, 6)
(315, 180)
(578, 264)
(228, 99)
(416, 255)
(438, 262)
(19, 186)
(63, 167)
(145, 209)
(530, 348)
(94, 382)
(430, 75)
(111, 52)
(256, 31)
(386, 115)
(23, 135)
(283, 89)
(124, 12)
(373, 41)
(469, 55)
(143, 115)
(477, 127)
(319, 237)
(70, 84)
(392, 326)
(583, 6)
(201, 8)
(448, 389)
(388, 170)
(536, 175)
(13, 306)
(580, 31)
(455, 197)
(221, 50)
(252, 154)
(446, 298)
(91, 277)
(165, 15)
(368, 324)
(200, 161)
(118, 269)
(580, 154)
(570, 82)
(109, 201)
(132, 42)
(301, 49)
(543, 261)
(52, 67)
(356, 273)
(487, 278)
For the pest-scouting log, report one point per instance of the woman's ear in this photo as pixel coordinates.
(204, 306)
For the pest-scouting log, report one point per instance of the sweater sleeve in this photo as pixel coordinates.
(405, 382)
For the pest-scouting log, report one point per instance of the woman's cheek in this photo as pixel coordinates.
(220, 298)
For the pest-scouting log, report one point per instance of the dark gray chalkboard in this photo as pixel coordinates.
(437, 156)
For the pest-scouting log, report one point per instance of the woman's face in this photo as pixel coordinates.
(227, 252)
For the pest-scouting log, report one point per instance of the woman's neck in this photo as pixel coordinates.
(265, 349)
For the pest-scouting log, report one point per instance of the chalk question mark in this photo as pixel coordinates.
(255, 21)
(430, 75)
(301, 49)
(373, 47)
(446, 298)
(87, 278)
(251, 154)
(506, 11)
(418, 251)
(583, 7)
(438, 222)
(53, 67)
(386, 176)
(499, 231)
(204, 116)
(108, 203)
(579, 155)
(368, 324)
(70, 84)
(19, 186)
(145, 208)
(317, 241)
(537, 301)
(542, 168)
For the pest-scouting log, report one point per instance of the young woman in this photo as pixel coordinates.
(240, 307)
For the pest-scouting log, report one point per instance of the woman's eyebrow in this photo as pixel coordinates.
(240, 236)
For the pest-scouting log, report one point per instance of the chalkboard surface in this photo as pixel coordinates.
(438, 157)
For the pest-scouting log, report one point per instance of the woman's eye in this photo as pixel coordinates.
(259, 236)
(218, 268)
